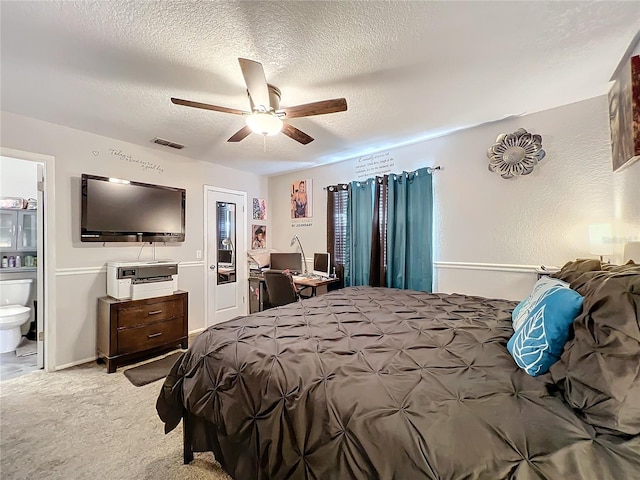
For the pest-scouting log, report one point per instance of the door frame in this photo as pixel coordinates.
(242, 240)
(46, 270)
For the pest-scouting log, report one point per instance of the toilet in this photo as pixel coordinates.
(14, 296)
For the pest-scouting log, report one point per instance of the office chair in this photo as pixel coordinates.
(280, 288)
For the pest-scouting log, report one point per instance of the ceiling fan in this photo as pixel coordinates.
(266, 117)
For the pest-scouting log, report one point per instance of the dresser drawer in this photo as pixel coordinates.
(146, 314)
(129, 330)
(149, 336)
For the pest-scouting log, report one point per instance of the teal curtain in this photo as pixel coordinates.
(409, 231)
(359, 229)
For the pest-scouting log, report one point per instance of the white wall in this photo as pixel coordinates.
(481, 218)
(80, 267)
(626, 206)
(18, 178)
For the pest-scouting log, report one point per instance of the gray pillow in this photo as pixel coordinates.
(599, 369)
(570, 271)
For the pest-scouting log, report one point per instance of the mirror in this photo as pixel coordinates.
(226, 238)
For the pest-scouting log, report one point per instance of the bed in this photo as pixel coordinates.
(376, 383)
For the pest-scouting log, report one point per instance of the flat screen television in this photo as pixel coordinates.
(115, 210)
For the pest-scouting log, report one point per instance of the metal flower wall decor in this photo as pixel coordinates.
(515, 153)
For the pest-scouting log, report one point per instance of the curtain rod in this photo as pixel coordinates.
(430, 171)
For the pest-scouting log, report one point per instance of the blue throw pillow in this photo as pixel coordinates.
(538, 342)
(524, 308)
(516, 311)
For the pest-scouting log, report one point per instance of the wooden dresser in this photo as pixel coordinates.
(130, 330)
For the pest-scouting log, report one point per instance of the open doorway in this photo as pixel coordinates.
(23, 273)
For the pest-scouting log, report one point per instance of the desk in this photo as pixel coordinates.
(226, 274)
(313, 283)
(259, 299)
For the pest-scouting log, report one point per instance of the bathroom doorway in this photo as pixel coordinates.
(24, 268)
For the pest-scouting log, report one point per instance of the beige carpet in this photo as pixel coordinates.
(82, 423)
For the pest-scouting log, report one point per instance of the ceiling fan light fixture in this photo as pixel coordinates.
(265, 116)
(264, 123)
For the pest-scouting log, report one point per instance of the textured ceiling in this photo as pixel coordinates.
(409, 70)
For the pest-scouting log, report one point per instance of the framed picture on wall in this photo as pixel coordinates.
(301, 201)
(259, 209)
(624, 114)
(258, 237)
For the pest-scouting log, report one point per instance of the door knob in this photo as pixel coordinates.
(212, 267)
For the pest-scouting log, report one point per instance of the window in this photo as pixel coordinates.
(379, 231)
(339, 226)
(337, 201)
(338, 235)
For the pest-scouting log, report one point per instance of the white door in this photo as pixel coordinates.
(225, 254)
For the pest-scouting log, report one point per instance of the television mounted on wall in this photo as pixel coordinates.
(116, 210)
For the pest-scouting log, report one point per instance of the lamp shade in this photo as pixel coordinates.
(600, 239)
(264, 123)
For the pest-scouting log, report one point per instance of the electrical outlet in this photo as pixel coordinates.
(198, 254)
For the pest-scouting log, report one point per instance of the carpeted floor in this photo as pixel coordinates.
(82, 423)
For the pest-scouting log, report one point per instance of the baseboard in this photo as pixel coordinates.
(94, 358)
(79, 362)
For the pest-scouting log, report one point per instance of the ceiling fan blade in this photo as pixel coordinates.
(206, 106)
(256, 81)
(317, 108)
(240, 134)
(298, 135)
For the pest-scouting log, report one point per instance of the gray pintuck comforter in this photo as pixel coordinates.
(374, 383)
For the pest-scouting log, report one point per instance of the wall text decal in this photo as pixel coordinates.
(144, 164)
(301, 224)
(369, 166)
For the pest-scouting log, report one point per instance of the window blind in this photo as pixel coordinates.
(340, 225)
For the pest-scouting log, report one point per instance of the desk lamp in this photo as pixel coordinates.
(304, 259)
(228, 243)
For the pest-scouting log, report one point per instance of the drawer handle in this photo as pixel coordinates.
(155, 312)
(154, 335)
